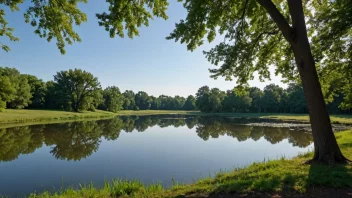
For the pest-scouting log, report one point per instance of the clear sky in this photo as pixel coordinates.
(147, 63)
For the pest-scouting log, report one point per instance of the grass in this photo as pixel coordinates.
(11, 116)
(28, 116)
(282, 175)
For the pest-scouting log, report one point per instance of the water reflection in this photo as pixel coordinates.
(78, 140)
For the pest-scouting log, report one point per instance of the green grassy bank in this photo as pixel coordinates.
(11, 116)
(276, 176)
(31, 116)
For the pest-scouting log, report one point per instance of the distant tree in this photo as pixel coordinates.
(7, 91)
(77, 88)
(296, 101)
(216, 96)
(237, 101)
(272, 97)
(155, 103)
(166, 102)
(202, 99)
(38, 91)
(190, 103)
(143, 101)
(179, 102)
(52, 99)
(113, 99)
(256, 95)
(15, 90)
(129, 102)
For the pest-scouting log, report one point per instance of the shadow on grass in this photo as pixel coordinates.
(316, 180)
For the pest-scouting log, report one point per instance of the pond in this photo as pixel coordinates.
(153, 149)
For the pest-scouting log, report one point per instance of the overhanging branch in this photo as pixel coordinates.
(278, 18)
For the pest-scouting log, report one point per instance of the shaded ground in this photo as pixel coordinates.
(320, 192)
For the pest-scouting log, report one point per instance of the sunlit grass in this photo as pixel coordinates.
(25, 115)
(271, 176)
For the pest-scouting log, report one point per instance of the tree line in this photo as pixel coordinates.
(82, 139)
(79, 90)
(273, 99)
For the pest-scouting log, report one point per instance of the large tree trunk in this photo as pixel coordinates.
(325, 145)
(326, 148)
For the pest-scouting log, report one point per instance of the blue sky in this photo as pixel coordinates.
(147, 63)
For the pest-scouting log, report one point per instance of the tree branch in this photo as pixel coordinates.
(278, 18)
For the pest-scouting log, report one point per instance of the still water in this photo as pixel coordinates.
(149, 148)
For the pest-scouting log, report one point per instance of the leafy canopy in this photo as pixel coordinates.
(252, 40)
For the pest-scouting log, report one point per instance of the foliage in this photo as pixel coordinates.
(80, 89)
(14, 88)
(236, 102)
(77, 89)
(113, 99)
(142, 100)
(331, 34)
(38, 91)
(202, 98)
(253, 40)
(190, 103)
(129, 102)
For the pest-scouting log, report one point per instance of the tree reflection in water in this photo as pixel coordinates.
(77, 140)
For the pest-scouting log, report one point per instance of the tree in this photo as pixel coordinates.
(256, 95)
(14, 89)
(179, 102)
(6, 91)
(272, 98)
(190, 103)
(38, 91)
(143, 101)
(77, 88)
(254, 34)
(129, 102)
(113, 99)
(216, 96)
(237, 101)
(155, 103)
(296, 101)
(202, 99)
(52, 97)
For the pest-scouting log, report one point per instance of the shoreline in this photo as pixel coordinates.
(284, 177)
(29, 117)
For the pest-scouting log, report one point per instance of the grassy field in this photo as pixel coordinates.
(277, 176)
(49, 116)
(28, 116)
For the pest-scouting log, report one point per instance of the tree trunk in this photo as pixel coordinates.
(326, 148)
